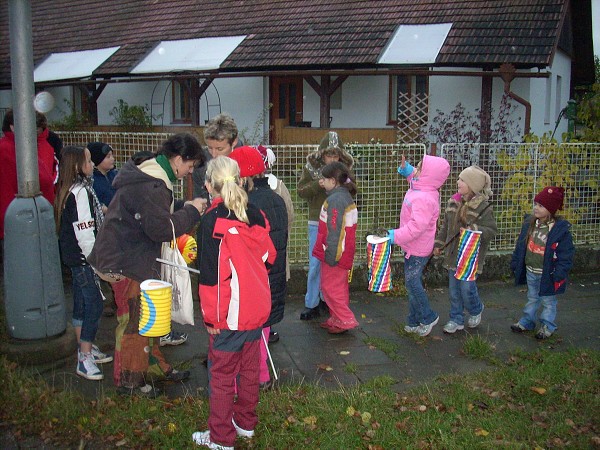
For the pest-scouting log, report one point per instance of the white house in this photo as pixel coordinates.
(278, 65)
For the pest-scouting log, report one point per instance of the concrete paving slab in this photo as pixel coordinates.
(305, 350)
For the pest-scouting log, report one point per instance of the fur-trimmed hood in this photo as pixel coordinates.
(331, 141)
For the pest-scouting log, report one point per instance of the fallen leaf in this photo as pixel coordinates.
(365, 417)
(325, 367)
(481, 432)
(569, 422)
(375, 447)
(470, 407)
(538, 390)
(363, 316)
(401, 425)
(350, 411)
(310, 420)
(422, 408)
(121, 443)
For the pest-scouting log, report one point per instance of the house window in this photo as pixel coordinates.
(181, 101)
(547, 103)
(408, 99)
(558, 99)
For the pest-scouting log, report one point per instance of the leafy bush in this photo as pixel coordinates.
(553, 164)
(73, 120)
(588, 113)
(461, 125)
(132, 117)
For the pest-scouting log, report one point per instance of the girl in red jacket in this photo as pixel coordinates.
(235, 297)
(336, 245)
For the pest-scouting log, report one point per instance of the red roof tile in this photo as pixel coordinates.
(292, 34)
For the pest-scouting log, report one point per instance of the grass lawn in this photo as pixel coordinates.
(534, 400)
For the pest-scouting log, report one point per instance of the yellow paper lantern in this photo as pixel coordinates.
(188, 248)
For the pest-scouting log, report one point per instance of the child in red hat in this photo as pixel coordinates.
(252, 166)
(542, 258)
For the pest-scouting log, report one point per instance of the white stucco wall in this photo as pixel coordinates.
(62, 95)
(135, 94)
(364, 103)
(446, 92)
(241, 98)
(546, 108)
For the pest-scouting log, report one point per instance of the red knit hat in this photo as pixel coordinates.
(249, 160)
(551, 198)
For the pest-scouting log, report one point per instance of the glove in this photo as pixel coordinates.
(407, 170)
(391, 235)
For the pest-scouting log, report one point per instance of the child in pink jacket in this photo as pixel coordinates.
(416, 235)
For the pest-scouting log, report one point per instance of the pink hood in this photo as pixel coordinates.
(421, 208)
(434, 172)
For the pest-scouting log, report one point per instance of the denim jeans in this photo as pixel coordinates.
(87, 302)
(419, 312)
(463, 295)
(313, 282)
(534, 300)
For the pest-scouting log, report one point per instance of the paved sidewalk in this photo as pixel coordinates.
(307, 352)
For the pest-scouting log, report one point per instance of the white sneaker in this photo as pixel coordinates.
(452, 327)
(543, 333)
(474, 320)
(173, 338)
(87, 368)
(248, 434)
(410, 329)
(203, 438)
(100, 357)
(424, 330)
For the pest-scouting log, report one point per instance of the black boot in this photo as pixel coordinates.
(310, 313)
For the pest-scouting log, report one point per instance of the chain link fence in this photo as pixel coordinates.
(518, 172)
(379, 185)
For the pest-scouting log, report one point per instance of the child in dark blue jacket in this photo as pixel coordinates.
(542, 258)
(104, 171)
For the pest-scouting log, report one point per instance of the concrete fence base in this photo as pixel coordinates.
(497, 267)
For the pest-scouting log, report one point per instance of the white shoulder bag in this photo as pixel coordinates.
(182, 306)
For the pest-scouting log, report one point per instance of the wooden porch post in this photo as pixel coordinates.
(486, 109)
(197, 90)
(325, 90)
(91, 95)
(325, 104)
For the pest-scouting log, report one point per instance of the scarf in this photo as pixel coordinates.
(87, 183)
(163, 161)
